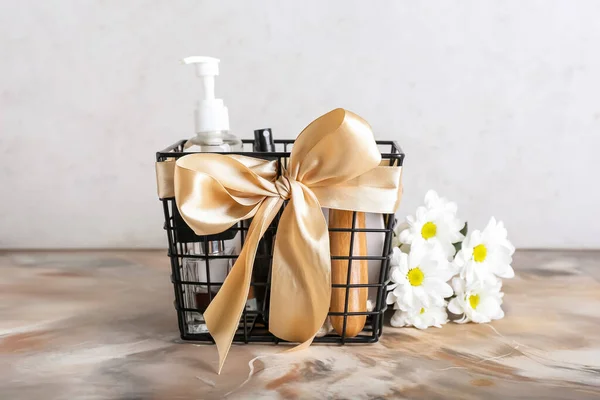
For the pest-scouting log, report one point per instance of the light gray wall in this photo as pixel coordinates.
(496, 103)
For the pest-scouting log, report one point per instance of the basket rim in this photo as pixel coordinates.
(169, 152)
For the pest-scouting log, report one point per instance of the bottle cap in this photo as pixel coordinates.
(263, 140)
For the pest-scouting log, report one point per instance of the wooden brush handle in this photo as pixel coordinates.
(340, 246)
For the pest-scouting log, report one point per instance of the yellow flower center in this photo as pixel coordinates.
(422, 310)
(474, 301)
(428, 230)
(415, 276)
(479, 253)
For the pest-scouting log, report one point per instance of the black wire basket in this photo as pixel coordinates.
(195, 258)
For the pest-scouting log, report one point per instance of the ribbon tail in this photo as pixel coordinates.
(301, 346)
(301, 272)
(224, 312)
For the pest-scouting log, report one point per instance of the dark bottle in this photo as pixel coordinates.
(263, 142)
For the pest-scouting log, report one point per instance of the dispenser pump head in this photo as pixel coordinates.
(263, 140)
(211, 114)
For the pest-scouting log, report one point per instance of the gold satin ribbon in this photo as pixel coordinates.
(334, 163)
(165, 171)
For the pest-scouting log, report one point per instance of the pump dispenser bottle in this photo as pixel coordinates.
(212, 135)
(211, 115)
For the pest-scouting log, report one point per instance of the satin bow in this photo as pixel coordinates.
(334, 163)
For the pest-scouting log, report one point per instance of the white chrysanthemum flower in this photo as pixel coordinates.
(435, 223)
(485, 255)
(421, 318)
(420, 278)
(479, 302)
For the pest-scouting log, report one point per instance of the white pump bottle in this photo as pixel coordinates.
(212, 126)
(211, 115)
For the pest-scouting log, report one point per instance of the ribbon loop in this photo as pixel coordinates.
(335, 163)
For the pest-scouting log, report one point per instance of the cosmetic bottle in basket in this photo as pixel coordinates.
(207, 265)
(211, 115)
(263, 143)
(204, 275)
(348, 271)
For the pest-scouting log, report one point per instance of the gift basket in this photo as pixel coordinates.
(246, 269)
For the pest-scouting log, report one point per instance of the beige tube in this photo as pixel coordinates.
(340, 246)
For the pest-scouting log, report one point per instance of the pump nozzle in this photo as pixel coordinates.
(204, 65)
(206, 69)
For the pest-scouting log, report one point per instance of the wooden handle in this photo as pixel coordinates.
(340, 246)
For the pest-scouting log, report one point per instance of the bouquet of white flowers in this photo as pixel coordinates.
(435, 268)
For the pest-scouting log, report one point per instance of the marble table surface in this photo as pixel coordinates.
(101, 325)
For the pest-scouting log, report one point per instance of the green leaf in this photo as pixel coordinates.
(464, 230)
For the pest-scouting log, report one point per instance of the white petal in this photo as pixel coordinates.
(400, 290)
(391, 298)
(501, 232)
(491, 225)
(470, 273)
(398, 319)
(427, 265)
(451, 207)
(498, 255)
(503, 271)
(440, 315)
(461, 258)
(438, 287)
(418, 249)
(396, 275)
(463, 320)
(431, 198)
(454, 307)
(455, 236)
(497, 286)
(446, 274)
(480, 318)
(407, 300)
(510, 247)
(403, 261)
(437, 301)
(419, 323)
(406, 236)
(453, 269)
(395, 260)
(488, 305)
(401, 226)
(475, 238)
(499, 314)
(458, 285)
(421, 296)
(449, 248)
